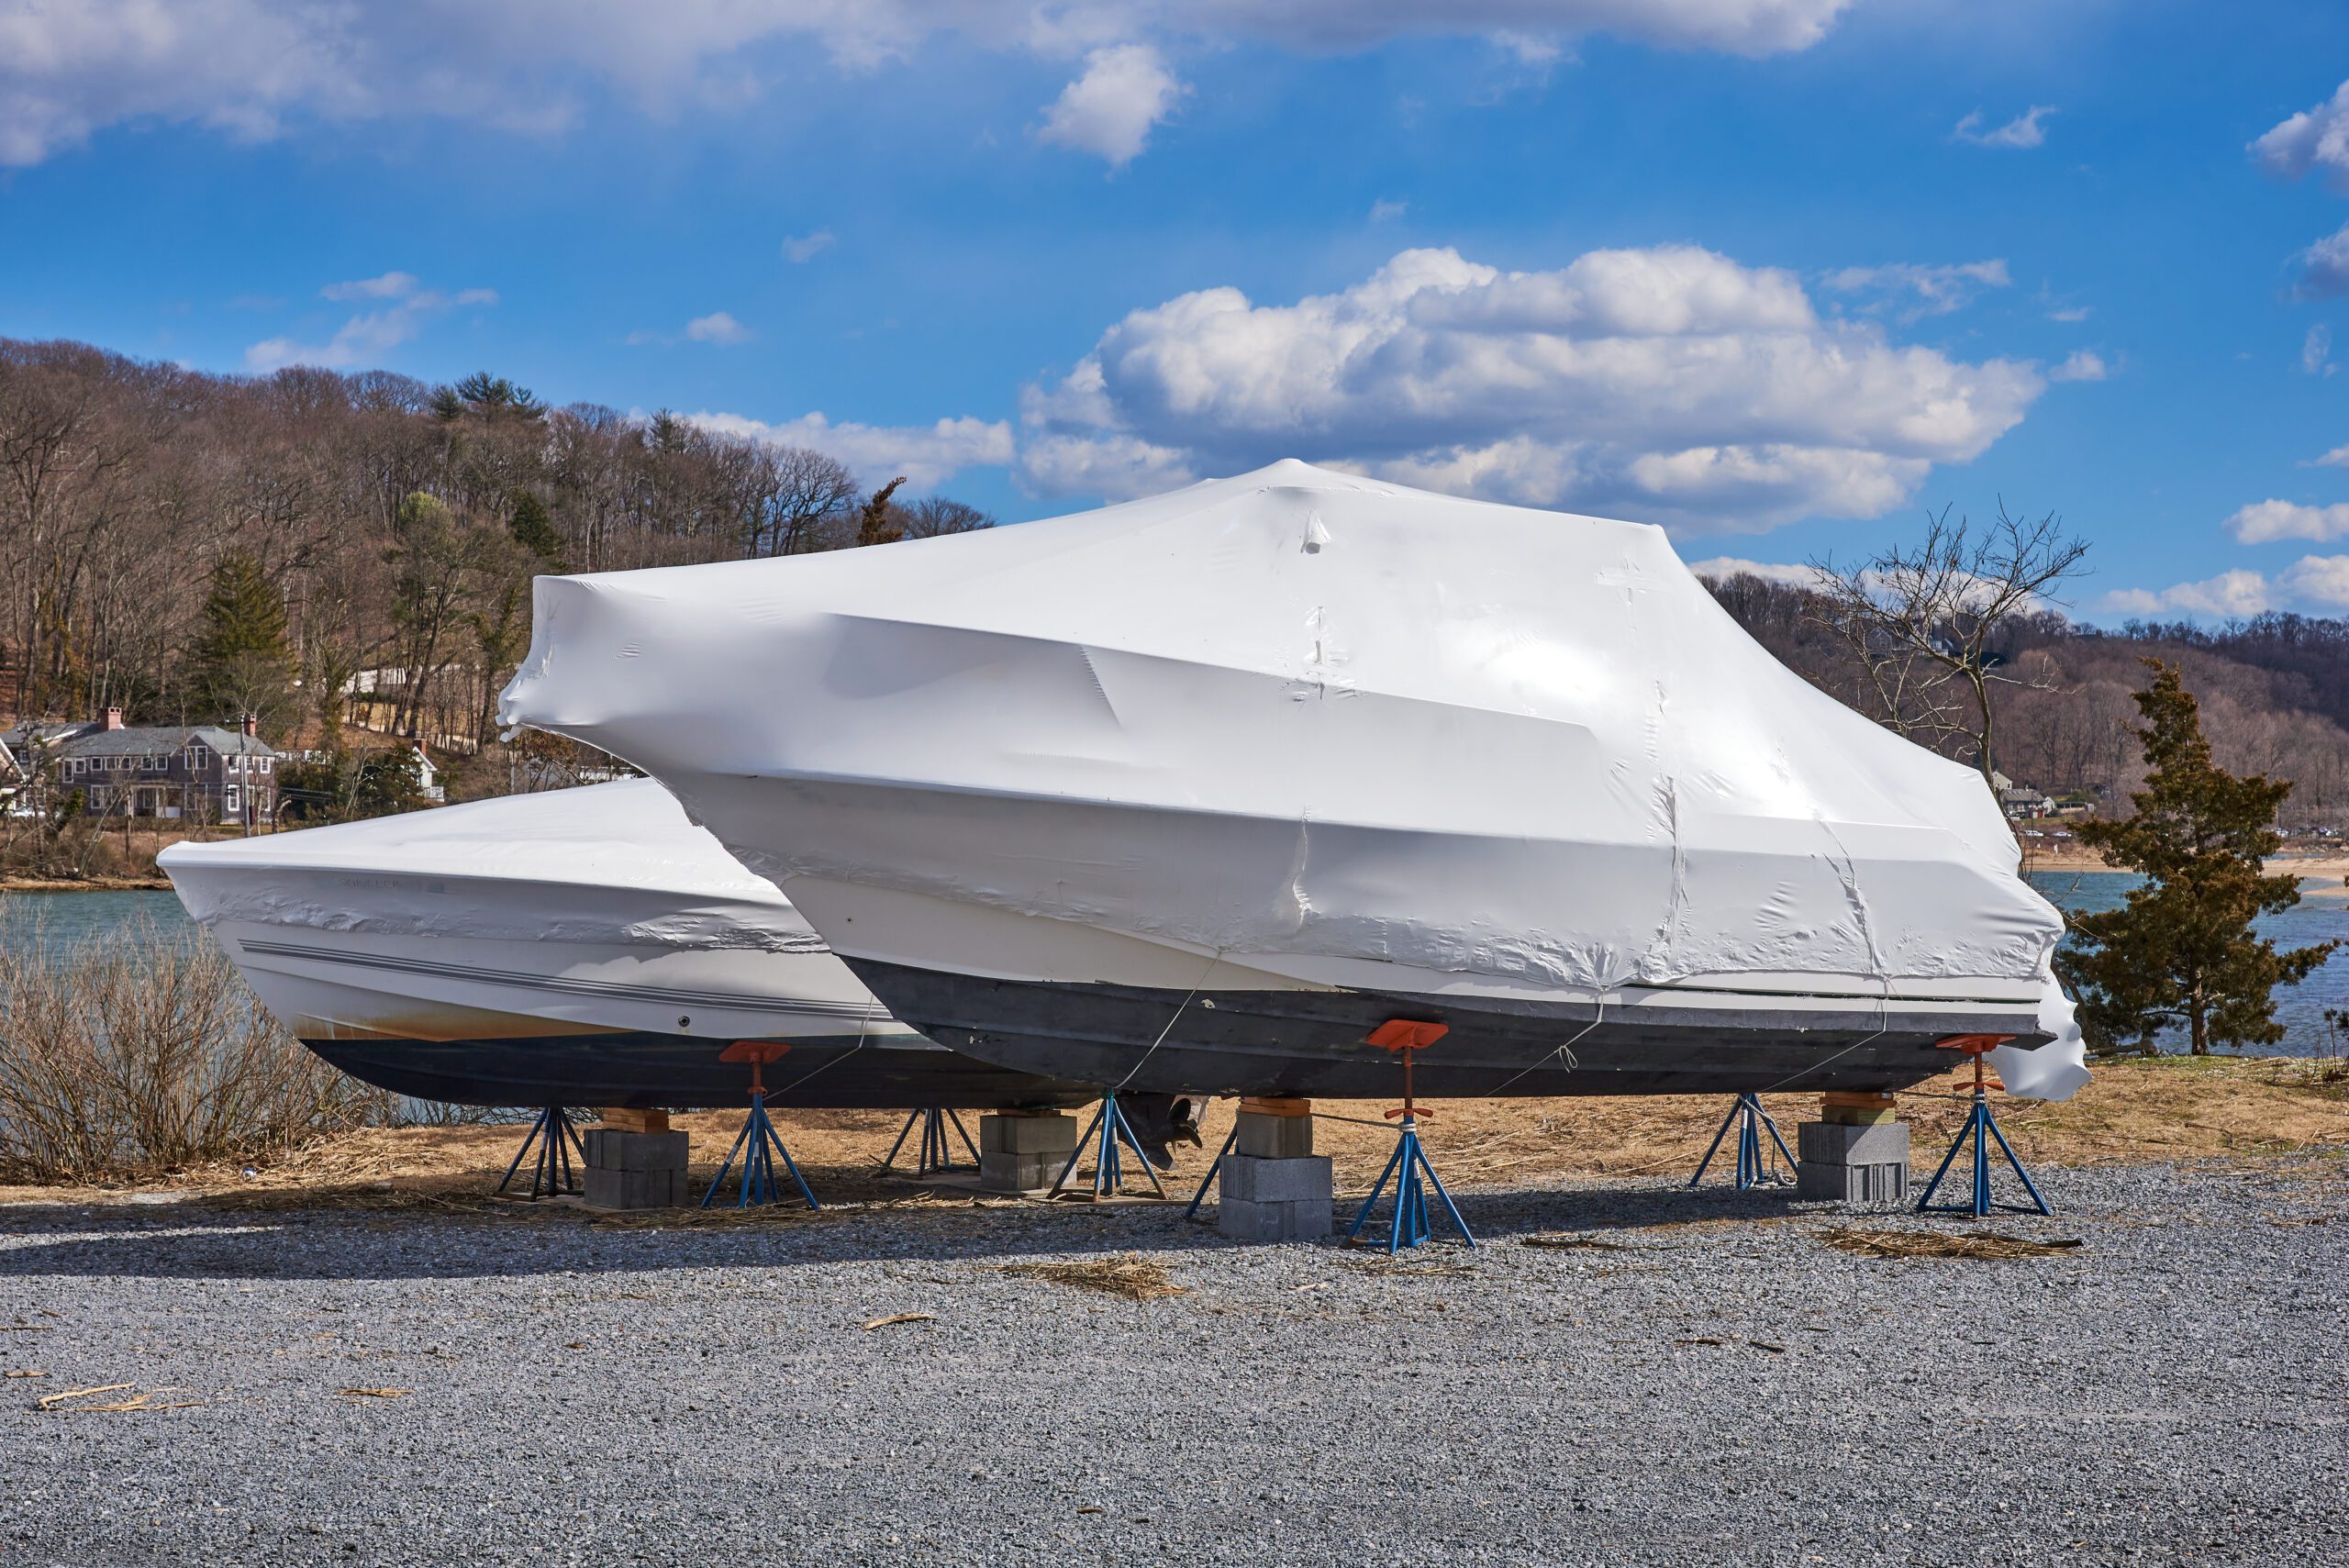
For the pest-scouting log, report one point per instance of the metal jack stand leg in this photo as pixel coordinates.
(1408, 1167)
(937, 1153)
(1209, 1180)
(552, 1173)
(1111, 1135)
(1979, 1125)
(758, 1143)
(1750, 1120)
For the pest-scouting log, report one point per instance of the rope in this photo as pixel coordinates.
(1154, 1044)
(863, 1028)
(1566, 1048)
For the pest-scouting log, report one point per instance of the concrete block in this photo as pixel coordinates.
(1844, 1143)
(610, 1148)
(1011, 1132)
(1870, 1184)
(1001, 1172)
(1274, 1137)
(635, 1189)
(1248, 1179)
(1248, 1221)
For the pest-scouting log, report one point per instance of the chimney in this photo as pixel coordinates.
(251, 724)
(114, 718)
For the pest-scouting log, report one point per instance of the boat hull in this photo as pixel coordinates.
(683, 1072)
(1314, 1043)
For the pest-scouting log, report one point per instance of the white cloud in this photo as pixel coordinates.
(2318, 582)
(1669, 383)
(806, 247)
(2325, 266)
(1938, 288)
(2239, 591)
(1793, 575)
(2263, 522)
(2081, 365)
(927, 455)
(248, 67)
(720, 327)
(370, 334)
(2023, 130)
(2337, 457)
(1383, 211)
(391, 286)
(2070, 315)
(2312, 141)
(1111, 110)
(2316, 350)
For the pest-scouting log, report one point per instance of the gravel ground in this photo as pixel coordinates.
(1714, 1385)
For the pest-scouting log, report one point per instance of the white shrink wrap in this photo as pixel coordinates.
(1300, 733)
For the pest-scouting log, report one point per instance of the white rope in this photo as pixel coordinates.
(1154, 1044)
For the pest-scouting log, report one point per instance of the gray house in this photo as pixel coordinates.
(179, 770)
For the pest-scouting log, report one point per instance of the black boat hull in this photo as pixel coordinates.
(1314, 1044)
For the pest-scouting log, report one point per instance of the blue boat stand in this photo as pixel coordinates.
(937, 1153)
(758, 1143)
(1111, 1135)
(1208, 1181)
(557, 1140)
(1408, 1168)
(1980, 1124)
(1750, 1120)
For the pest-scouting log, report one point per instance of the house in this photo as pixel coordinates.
(2020, 802)
(223, 775)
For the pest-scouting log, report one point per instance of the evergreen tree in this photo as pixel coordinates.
(533, 529)
(878, 523)
(2182, 949)
(240, 662)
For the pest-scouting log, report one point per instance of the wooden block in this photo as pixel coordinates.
(1845, 1108)
(1266, 1105)
(621, 1118)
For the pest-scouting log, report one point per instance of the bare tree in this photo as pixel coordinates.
(1923, 624)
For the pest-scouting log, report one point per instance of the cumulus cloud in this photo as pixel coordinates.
(717, 326)
(2318, 582)
(1725, 566)
(2312, 141)
(2263, 522)
(248, 67)
(2081, 365)
(2325, 266)
(366, 337)
(2337, 457)
(2316, 350)
(927, 455)
(806, 247)
(1110, 110)
(1669, 383)
(2023, 130)
(1921, 289)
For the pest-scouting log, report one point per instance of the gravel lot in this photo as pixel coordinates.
(1715, 1385)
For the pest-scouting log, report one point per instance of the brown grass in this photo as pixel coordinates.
(2137, 1111)
(1130, 1275)
(1941, 1244)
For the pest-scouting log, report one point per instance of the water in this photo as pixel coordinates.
(70, 917)
(2321, 913)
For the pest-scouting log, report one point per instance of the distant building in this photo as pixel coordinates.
(180, 771)
(2020, 802)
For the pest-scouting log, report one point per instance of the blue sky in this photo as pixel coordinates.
(1780, 275)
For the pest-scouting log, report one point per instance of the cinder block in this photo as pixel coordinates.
(610, 1148)
(1001, 1172)
(634, 1189)
(1054, 1132)
(1852, 1183)
(1842, 1143)
(1274, 1137)
(1246, 1221)
(1246, 1179)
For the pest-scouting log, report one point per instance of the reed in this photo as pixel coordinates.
(142, 1053)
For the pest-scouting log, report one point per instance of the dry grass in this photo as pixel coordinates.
(1941, 1244)
(2135, 1111)
(1133, 1276)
